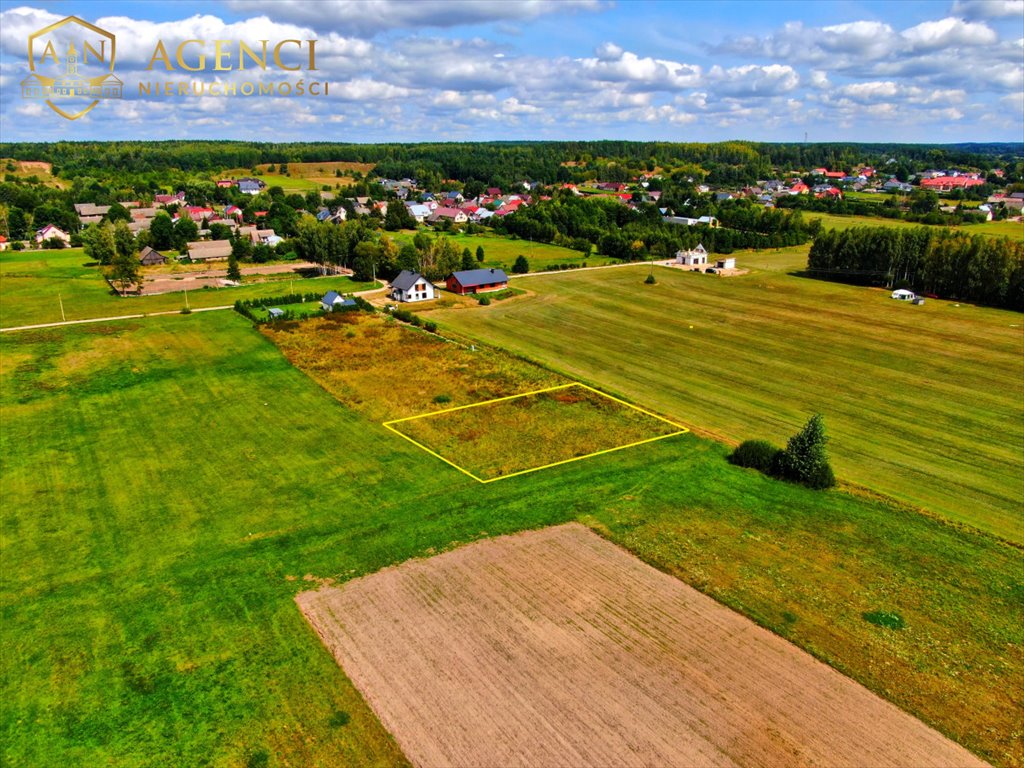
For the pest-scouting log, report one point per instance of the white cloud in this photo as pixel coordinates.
(752, 80)
(947, 33)
(988, 9)
(368, 17)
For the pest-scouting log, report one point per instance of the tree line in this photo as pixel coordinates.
(945, 263)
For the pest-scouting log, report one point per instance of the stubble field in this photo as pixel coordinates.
(555, 647)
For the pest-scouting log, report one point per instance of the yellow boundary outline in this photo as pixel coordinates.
(680, 429)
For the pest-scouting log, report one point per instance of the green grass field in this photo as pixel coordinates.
(922, 403)
(169, 484)
(502, 251)
(1011, 229)
(33, 281)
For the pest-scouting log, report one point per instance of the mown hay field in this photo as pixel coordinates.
(531, 431)
(555, 647)
(170, 484)
(922, 403)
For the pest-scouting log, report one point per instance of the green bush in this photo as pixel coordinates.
(755, 454)
(887, 619)
(484, 300)
(431, 326)
(443, 399)
(649, 280)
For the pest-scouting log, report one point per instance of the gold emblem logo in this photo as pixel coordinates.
(72, 67)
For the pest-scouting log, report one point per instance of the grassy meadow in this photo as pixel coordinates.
(33, 280)
(167, 492)
(1012, 229)
(922, 403)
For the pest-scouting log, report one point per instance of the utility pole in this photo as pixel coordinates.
(186, 298)
(61, 302)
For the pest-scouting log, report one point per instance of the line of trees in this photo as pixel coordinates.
(950, 264)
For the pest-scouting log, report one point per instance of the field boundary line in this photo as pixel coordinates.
(387, 425)
(680, 429)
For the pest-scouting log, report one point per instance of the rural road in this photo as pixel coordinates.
(145, 314)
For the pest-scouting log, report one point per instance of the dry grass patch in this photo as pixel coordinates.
(524, 433)
(388, 371)
(555, 647)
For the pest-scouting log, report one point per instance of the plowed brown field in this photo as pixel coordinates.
(557, 648)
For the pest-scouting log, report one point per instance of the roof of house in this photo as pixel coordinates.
(146, 251)
(470, 277)
(406, 280)
(275, 312)
(448, 212)
(330, 297)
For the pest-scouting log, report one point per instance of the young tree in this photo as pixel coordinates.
(409, 258)
(99, 243)
(364, 264)
(124, 240)
(125, 271)
(467, 259)
(234, 273)
(480, 254)
(521, 267)
(804, 460)
(185, 232)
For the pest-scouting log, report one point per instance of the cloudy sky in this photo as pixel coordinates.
(935, 71)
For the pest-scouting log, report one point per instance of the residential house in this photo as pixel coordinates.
(225, 183)
(692, 257)
(333, 301)
(903, 295)
(3, 243)
(50, 231)
(418, 211)
(477, 281)
(150, 256)
(249, 186)
(412, 286)
(727, 263)
(163, 201)
(451, 214)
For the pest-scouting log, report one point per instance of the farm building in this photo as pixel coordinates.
(729, 263)
(149, 256)
(412, 286)
(903, 294)
(698, 255)
(477, 281)
(209, 250)
(333, 300)
(275, 312)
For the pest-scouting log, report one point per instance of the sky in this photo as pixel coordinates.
(938, 71)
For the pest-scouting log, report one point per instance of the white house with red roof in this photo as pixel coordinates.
(50, 231)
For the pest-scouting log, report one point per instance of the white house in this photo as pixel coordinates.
(418, 211)
(904, 295)
(50, 231)
(729, 263)
(412, 286)
(692, 257)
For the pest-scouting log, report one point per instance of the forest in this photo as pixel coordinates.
(504, 163)
(938, 262)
